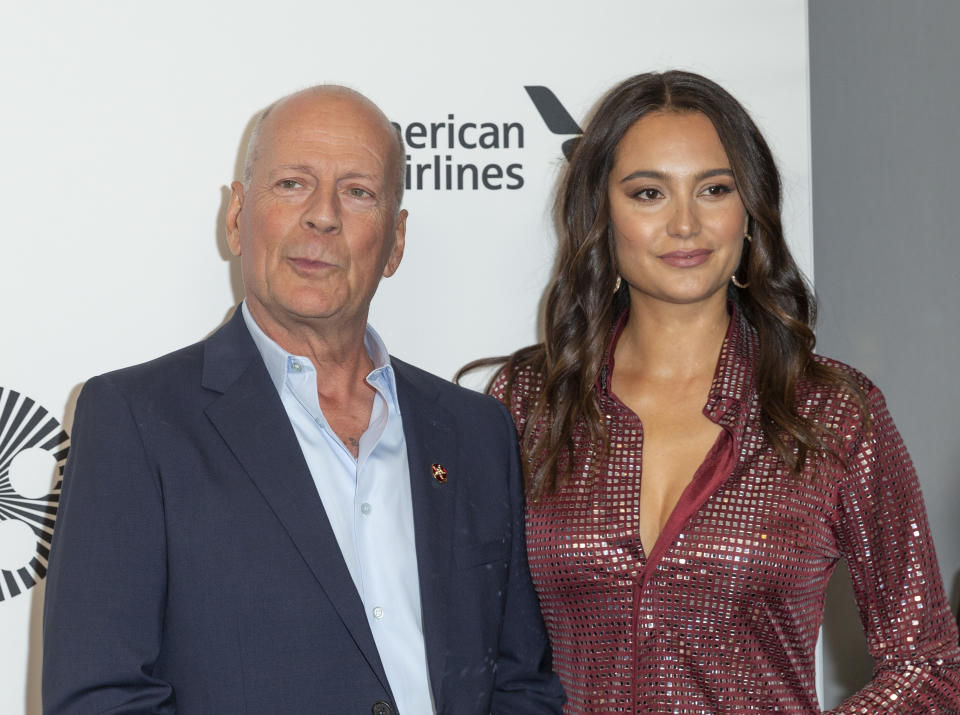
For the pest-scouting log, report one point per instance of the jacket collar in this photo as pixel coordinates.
(227, 354)
(432, 439)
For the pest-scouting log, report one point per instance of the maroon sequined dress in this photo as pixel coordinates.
(723, 615)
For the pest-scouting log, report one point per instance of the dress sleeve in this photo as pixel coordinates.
(498, 389)
(883, 534)
(515, 390)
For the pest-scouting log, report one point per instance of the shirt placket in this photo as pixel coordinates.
(370, 528)
(626, 445)
(621, 420)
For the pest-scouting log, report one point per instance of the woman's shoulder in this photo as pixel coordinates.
(522, 380)
(839, 396)
(854, 376)
(517, 384)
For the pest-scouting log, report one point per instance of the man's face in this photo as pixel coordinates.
(317, 226)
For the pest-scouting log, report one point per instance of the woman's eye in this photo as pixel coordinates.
(718, 190)
(647, 194)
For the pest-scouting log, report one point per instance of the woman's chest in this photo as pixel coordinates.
(758, 528)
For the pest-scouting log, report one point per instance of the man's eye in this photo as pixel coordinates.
(360, 193)
(289, 184)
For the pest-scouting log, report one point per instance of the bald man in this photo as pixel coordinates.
(283, 518)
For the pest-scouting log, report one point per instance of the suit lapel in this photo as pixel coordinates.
(252, 421)
(431, 439)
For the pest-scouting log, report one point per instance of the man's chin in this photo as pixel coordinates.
(313, 312)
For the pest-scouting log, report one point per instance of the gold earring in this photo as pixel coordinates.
(733, 278)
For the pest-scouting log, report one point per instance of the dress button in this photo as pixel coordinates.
(365, 508)
(381, 708)
(378, 613)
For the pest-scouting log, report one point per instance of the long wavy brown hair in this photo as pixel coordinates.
(580, 311)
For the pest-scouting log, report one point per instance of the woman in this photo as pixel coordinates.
(694, 471)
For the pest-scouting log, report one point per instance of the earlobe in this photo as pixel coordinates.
(399, 242)
(233, 216)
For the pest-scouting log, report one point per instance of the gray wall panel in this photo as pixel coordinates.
(885, 104)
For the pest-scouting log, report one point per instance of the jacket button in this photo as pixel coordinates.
(382, 708)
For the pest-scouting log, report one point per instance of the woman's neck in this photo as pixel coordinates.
(665, 341)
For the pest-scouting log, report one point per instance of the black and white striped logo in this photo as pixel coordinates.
(33, 449)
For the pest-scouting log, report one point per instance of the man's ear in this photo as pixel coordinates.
(233, 216)
(393, 262)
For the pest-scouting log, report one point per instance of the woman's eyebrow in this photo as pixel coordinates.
(660, 176)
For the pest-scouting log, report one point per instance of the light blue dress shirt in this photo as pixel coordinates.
(367, 500)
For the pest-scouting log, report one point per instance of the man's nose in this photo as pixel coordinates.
(322, 213)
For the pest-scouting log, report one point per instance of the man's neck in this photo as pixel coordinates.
(336, 349)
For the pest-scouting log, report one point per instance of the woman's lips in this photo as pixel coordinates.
(686, 259)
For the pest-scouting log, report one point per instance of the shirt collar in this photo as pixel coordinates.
(276, 358)
(734, 390)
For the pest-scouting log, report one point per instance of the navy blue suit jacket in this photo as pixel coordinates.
(193, 569)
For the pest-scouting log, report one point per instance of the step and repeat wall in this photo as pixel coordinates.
(123, 125)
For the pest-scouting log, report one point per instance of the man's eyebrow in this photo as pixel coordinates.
(308, 170)
(292, 167)
(660, 176)
(361, 175)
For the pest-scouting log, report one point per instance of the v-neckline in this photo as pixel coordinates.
(717, 465)
(684, 497)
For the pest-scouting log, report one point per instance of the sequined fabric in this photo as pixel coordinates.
(723, 615)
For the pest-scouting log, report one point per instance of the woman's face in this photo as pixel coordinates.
(677, 218)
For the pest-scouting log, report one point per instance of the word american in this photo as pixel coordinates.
(442, 172)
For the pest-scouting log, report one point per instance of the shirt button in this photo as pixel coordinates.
(378, 613)
(296, 366)
(365, 508)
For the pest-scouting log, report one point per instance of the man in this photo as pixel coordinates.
(282, 518)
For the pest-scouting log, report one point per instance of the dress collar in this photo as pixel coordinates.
(734, 392)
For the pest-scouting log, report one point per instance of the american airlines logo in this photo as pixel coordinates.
(457, 154)
(555, 116)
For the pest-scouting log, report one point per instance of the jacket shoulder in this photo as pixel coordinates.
(158, 374)
(452, 396)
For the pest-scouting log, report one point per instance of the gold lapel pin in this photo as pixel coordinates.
(439, 472)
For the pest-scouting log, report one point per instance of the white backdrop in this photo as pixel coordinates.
(121, 127)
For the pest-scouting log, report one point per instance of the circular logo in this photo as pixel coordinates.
(33, 449)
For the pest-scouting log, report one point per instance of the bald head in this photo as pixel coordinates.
(317, 225)
(333, 95)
